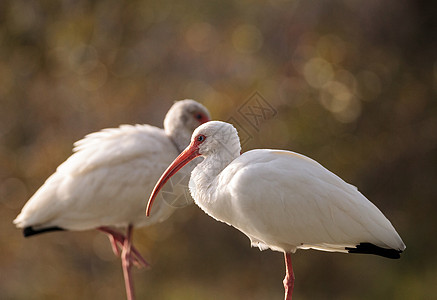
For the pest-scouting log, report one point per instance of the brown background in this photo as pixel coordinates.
(350, 83)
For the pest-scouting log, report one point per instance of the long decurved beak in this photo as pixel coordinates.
(190, 153)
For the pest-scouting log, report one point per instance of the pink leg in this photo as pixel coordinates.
(289, 277)
(114, 246)
(126, 263)
(118, 239)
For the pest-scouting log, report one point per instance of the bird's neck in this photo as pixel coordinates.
(206, 176)
(180, 137)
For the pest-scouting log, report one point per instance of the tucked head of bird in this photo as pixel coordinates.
(185, 115)
(209, 138)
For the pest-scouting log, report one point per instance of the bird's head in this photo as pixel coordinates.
(182, 118)
(215, 136)
(209, 138)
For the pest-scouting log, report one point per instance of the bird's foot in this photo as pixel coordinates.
(117, 241)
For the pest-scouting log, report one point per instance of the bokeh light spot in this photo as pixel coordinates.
(247, 39)
(339, 100)
(200, 36)
(318, 72)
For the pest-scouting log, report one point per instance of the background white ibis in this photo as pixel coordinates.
(280, 199)
(104, 182)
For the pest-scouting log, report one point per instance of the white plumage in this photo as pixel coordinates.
(286, 201)
(280, 199)
(104, 182)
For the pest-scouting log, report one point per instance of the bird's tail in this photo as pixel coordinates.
(368, 248)
(29, 231)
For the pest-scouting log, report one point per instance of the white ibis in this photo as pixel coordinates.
(280, 199)
(103, 183)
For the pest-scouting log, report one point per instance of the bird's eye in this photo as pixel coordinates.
(199, 116)
(201, 138)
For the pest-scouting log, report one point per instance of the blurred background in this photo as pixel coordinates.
(350, 83)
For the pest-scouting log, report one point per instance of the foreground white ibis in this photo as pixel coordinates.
(280, 199)
(102, 185)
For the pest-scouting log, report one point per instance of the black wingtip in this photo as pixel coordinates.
(29, 231)
(368, 248)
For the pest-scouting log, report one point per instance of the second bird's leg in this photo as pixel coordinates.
(289, 277)
(118, 239)
(126, 261)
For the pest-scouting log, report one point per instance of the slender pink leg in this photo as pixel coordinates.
(118, 239)
(289, 277)
(126, 263)
(114, 245)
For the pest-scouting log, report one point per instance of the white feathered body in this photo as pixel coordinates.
(104, 182)
(286, 201)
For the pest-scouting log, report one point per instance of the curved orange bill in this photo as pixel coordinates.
(190, 153)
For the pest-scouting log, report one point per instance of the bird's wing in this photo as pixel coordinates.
(112, 146)
(289, 201)
(104, 182)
